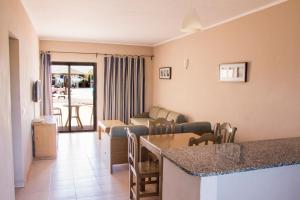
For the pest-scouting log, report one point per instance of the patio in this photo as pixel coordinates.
(81, 106)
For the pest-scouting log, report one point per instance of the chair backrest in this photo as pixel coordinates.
(133, 150)
(205, 138)
(225, 131)
(216, 129)
(161, 126)
(198, 128)
(56, 111)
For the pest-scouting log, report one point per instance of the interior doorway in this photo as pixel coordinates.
(16, 111)
(74, 96)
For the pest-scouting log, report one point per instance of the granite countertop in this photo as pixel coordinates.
(211, 160)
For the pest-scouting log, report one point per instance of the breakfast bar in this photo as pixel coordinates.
(267, 169)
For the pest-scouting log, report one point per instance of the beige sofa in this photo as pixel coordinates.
(157, 112)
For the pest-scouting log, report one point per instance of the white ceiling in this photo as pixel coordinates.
(142, 22)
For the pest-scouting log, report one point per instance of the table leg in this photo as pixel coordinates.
(61, 122)
(68, 118)
(100, 132)
(78, 116)
(67, 122)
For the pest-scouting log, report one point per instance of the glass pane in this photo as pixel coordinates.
(60, 95)
(82, 97)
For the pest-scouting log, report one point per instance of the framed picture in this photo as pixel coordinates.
(165, 73)
(233, 72)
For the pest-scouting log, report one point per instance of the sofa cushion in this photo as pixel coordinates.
(177, 117)
(139, 130)
(196, 127)
(139, 121)
(153, 112)
(120, 131)
(162, 113)
(178, 128)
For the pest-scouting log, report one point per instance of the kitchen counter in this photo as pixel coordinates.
(212, 160)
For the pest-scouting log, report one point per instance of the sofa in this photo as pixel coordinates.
(154, 113)
(116, 146)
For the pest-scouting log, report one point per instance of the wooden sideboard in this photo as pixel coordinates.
(45, 137)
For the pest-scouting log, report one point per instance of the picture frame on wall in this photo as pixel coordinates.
(165, 73)
(233, 72)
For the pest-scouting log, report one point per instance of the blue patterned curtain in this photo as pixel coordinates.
(124, 87)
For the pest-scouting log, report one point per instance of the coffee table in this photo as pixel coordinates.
(105, 125)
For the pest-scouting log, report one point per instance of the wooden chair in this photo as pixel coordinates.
(161, 126)
(144, 172)
(58, 113)
(226, 132)
(205, 138)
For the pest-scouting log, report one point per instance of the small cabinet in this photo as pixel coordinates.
(45, 137)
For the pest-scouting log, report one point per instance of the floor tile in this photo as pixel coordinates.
(62, 194)
(61, 185)
(80, 172)
(87, 182)
(35, 196)
(91, 191)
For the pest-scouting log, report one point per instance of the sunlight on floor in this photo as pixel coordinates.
(80, 172)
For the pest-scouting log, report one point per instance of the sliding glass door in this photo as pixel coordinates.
(74, 96)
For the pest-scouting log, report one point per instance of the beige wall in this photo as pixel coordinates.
(16, 122)
(100, 48)
(265, 107)
(14, 22)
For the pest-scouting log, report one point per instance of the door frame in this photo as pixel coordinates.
(69, 89)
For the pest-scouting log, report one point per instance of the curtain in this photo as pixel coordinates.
(45, 75)
(124, 87)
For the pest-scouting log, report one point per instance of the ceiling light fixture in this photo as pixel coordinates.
(191, 21)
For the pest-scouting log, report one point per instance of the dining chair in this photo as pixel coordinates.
(58, 113)
(145, 173)
(206, 137)
(226, 131)
(161, 126)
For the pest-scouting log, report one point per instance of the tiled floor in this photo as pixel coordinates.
(80, 172)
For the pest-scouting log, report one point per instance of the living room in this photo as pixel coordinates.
(175, 75)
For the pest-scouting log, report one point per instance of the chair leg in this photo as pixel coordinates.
(138, 188)
(56, 117)
(67, 122)
(143, 184)
(130, 184)
(80, 124)
(157, 185)
(61, 122)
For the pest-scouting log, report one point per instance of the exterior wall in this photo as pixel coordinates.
(100, 48)
(267, 106)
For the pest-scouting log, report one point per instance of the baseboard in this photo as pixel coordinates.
(19, 184)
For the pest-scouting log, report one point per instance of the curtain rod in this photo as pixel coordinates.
(97, 54)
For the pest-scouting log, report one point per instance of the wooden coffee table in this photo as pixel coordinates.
(105, 125)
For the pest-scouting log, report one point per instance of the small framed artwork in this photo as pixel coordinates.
(165, 73)
(233, 72)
